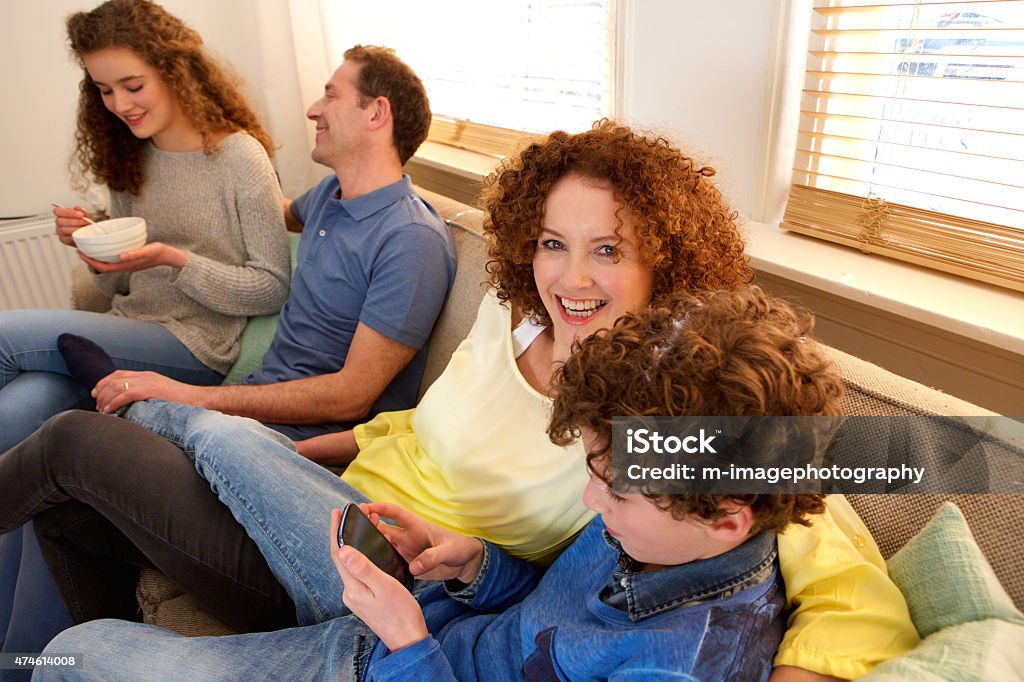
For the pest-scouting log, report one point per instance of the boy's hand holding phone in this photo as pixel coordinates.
(433, 552)
(378, 599)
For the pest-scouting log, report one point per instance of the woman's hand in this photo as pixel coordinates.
(330, 449)
(68, 220)
(375, 597)
(433, 553)
(146, 256)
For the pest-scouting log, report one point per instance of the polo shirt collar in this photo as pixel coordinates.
(368, 204)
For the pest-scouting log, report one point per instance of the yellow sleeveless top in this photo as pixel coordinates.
(475, 456)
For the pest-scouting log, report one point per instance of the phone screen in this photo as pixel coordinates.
(358, 532)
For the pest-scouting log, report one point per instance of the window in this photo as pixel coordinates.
(495, 71)
(911, 134)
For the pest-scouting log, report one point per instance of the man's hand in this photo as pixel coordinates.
(375, 597)
(124, 387)
(146, 256)
(433, 553)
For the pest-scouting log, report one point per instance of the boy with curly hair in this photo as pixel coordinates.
(658, 586)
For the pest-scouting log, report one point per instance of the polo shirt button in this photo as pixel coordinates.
(858, 541)
(323, 232)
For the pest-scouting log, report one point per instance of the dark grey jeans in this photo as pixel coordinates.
(108, 497)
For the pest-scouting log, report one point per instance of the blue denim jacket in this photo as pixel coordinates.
(592, 617)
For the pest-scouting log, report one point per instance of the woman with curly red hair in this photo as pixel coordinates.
(169, 132)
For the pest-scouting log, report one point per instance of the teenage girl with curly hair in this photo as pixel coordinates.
(171, 135)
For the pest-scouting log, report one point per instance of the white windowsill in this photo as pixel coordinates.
(463, 163)
(975, 310)
(979, 311)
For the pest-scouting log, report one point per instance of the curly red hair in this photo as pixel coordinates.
(684, 229)
(209, 95)
(739, 353)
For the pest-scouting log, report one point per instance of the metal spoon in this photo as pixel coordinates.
(84, 217)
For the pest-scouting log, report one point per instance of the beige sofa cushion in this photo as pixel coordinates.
(459, 312)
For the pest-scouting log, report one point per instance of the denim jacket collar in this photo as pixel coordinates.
(652, 592)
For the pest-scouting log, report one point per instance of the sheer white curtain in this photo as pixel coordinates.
(789, 68)
(295, 63)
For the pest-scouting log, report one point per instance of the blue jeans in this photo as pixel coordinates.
(33, 387)
(34, 381)
(282, 499)
(334, 650)
(25, 585)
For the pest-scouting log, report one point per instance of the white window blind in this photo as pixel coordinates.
(495, 69)
(911, 139)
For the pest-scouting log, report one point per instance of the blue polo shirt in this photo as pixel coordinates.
(385, 259)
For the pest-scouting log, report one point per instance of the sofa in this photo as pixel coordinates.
(893, 520)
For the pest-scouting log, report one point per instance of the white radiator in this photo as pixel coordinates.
(35, 268)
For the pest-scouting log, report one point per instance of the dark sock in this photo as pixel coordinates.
(87, 362)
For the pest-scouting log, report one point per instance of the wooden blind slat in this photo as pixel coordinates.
(911, 140)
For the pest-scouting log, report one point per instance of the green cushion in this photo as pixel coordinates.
(971, 629)
(945, 577)
(980, 650)
(258, 333)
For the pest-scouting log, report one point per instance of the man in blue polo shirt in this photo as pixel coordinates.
(375, 263)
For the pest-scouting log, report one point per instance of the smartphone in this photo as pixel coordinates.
(358, 532)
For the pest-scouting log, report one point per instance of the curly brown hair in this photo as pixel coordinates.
(684, 229)
(209, 94)
(738, 353)
(383, 74)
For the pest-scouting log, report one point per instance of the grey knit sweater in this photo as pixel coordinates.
(225, 211)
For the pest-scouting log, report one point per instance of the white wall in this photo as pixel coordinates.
(683, 76)
(40, 82)
(705, 86)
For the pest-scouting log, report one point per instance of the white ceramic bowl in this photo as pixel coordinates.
(105, 240)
